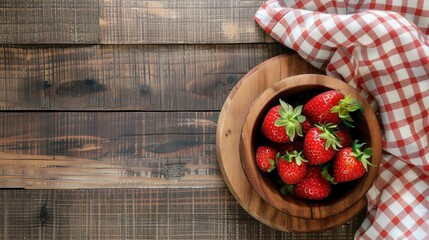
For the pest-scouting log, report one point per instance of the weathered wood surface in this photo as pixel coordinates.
(62, 150)
(186, 21)
(129, 22)
(49, 21)
(162, 213)
(130, 77)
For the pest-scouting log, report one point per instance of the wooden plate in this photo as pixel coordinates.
(228, 134)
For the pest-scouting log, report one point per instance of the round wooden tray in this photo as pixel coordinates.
(228, 133)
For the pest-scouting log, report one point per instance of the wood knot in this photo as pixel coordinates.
(44, 215)
(46, 85)
(144, 90)
(78, 88)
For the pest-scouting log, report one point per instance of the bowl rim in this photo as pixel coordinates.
(288, 204)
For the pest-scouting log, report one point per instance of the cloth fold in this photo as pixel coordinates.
(381, 48)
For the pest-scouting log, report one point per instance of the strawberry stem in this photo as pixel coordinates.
(345, 107)
(328, 134)
(362, 156)
(326, 174)
(291, 119)
(294, 156)
(272, 165)
(286, 189)
(273, 162)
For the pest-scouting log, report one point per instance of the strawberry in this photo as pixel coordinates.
(345, 138)
(313, 186)
(266, 158)
(351, 163)
(331, 107)
(296, 145)
(306, 125)
(291, 167)
(282, 123)
(321, 144)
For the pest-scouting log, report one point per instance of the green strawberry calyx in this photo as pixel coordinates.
(273, 163)
(326, 174)
(294, 156)
(362, 156)
(328, 134)
(347, 105)
(287, 189)
(291, 119)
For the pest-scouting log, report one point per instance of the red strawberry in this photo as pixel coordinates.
(282, 123)
(351, 163)
(320, 144)
(306, 125)
(296, 145)
(313, 186)
(291, 167)
(331, 107)
(266, 158)
(345, 137)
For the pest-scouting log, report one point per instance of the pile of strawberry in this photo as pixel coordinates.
(310, 145)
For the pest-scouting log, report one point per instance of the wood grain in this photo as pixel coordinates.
(132, 77)
(170, 213)
(70, 150)
(130, 22)
(49, 21)
(186, 21)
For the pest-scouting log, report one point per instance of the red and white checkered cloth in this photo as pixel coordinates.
(381, 48)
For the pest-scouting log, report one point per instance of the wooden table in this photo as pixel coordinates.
(109, 118)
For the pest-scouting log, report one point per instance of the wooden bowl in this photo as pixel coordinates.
(344, 195)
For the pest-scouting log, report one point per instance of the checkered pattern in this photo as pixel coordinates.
(381, 48)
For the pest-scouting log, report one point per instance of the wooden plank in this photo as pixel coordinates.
(49, 21)
(132, 77)
(179, 213)
(62, 150)
(186, 21)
